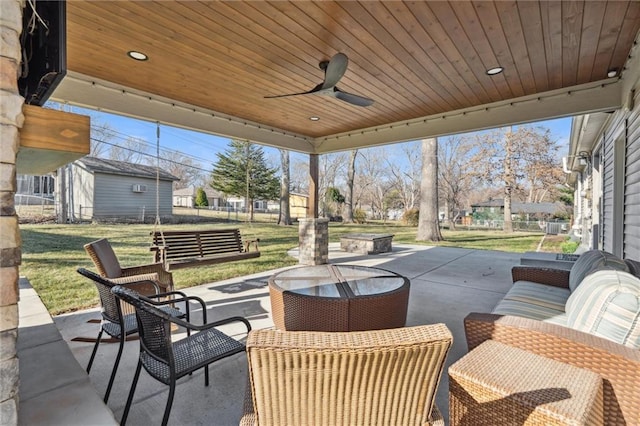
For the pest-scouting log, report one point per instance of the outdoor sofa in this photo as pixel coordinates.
(588, 317)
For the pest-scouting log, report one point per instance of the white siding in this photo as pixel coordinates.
(83, 192)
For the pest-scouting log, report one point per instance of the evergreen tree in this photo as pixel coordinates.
(201, 198)
(242, 170)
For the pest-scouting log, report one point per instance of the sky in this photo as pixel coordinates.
(202, 147)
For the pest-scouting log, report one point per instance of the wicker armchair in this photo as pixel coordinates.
(108, 266)
(618, 365)
(120, 322)
(347, 378)
(168, 361)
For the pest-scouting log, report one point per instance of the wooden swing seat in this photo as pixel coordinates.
(185, 249)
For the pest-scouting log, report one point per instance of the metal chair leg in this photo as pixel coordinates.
(123, 337)
(95, 349)
(167, 410)
(206, 375)
(127, 406)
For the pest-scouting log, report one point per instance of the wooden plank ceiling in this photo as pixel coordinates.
(415, 59)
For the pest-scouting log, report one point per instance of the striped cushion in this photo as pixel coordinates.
(529, 310)
(539, 294)
(591, 261)
(607, 304)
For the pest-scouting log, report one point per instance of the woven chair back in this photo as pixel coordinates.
(109, 303)
(154, 329)
(371, 377)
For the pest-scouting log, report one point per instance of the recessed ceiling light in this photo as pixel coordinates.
(494, 70)
(612, 73)
(138, 56)
(314, 118)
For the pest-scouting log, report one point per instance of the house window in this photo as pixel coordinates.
(43, 185)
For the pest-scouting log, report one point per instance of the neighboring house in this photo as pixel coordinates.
(35, 190)
(114, 189)
(298, 205)
(237, 204)
(529, 210)
(186, 197)
(604, 168)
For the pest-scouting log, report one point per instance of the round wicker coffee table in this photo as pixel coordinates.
(338, 298)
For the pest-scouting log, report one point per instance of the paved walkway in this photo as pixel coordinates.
(446, 285)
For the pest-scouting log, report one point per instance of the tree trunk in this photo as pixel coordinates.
(284, 218)
(348, 202)
(509, 182)
(428, 226)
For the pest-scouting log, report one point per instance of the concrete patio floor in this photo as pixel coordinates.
(446, 285)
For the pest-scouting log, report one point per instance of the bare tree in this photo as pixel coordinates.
(102, 138)
(299, 175)
(514, 158)
(132, 150)
(351, 171)
(456, 174)
(285, 213)
(185, 168)
(371, 183)
(428, 226)
(331, 166)
(406, 176)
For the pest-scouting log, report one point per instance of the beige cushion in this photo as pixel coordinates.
(607, 304)
(591, 261)
(104, 258)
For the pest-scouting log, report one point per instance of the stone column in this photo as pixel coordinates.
(11, 120)
(314, 241)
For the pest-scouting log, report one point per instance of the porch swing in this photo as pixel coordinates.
(186, 249)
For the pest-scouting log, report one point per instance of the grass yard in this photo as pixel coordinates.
(52, 253)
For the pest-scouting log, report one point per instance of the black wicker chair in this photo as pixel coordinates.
(167, 361)
(120, 321)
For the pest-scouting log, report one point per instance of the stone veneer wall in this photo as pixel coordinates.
(314, 241)
(11, 120)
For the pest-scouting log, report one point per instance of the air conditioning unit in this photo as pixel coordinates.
(139, 188)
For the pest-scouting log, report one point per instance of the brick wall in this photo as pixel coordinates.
(11, 120)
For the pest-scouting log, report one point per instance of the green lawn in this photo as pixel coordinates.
(52, 253)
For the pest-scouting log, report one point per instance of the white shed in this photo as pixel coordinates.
(103, 189)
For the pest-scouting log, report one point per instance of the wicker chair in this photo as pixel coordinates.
(618, 365)
(108, 266)
(168, 361)
(376, 377)
(119, 324)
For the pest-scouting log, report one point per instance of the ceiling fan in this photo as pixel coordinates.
(333, 69)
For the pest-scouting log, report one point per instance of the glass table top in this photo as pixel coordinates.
(338, 280)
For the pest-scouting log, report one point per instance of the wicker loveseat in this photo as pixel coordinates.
(588, 317)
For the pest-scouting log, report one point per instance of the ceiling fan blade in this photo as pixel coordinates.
(351, 98)
(335, 70)
(315, 89)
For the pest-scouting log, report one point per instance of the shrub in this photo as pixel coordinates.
(569, 246)
(201, 198)
(411, 217)
(359, 216)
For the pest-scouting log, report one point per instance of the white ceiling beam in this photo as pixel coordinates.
(83, 91)
(593, 97)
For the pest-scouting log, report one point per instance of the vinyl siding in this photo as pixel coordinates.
(606, 230)
(82, 193)
(114, 197)
(631, 248)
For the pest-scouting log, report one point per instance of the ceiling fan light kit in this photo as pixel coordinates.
(333, 69)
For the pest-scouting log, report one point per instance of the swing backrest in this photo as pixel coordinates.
(104, 258)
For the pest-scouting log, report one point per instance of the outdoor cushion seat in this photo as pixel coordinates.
(530, 310)
(539, 294)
